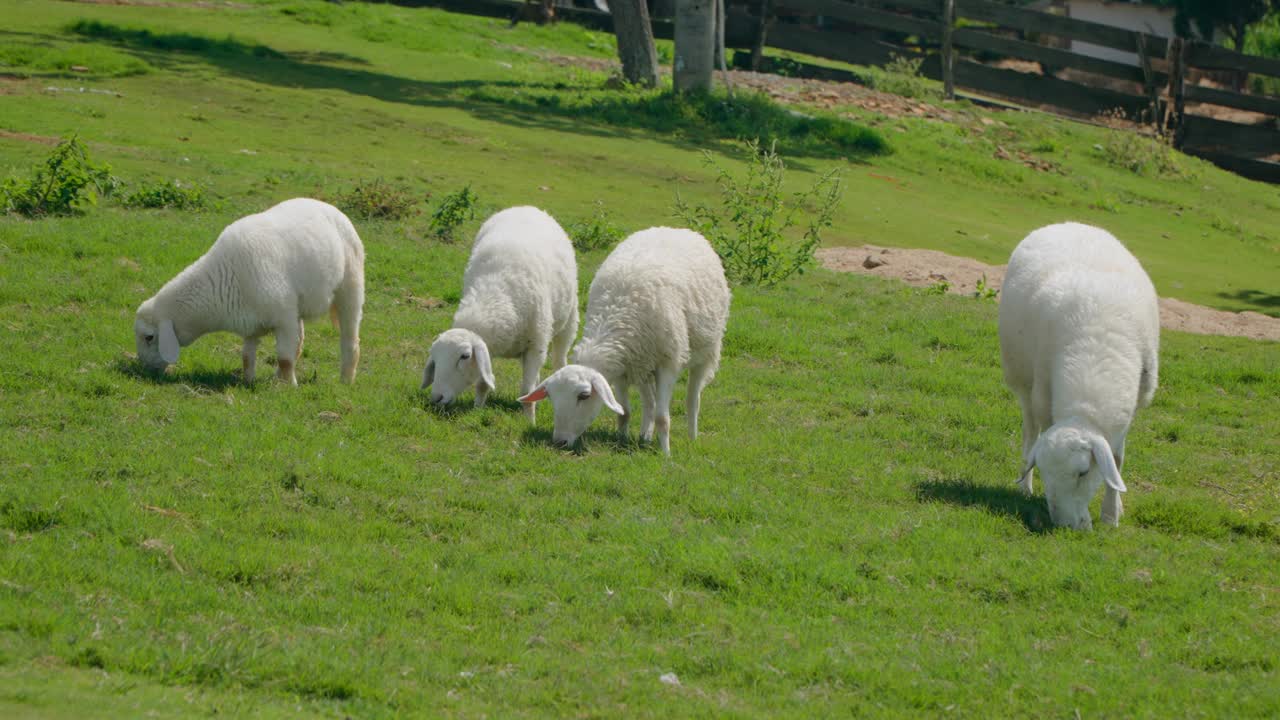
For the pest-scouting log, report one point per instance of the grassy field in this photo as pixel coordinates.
(845, 537)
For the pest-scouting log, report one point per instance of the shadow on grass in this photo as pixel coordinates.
(1262, 301)
(1032, 511)
(689, 122)
(202, 378)
(592, 439)
(466, 404)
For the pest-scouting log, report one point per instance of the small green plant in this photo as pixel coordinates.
(62, 184)
(749, 229)
(455, 209)
(167, 195)
(378, 200)
(595, 233)
(941, 287)
(902, 77)
(984, 291)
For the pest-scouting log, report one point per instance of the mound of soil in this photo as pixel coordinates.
(926, 268)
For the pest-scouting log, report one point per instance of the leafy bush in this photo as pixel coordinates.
(378, 200)
(749, 230)
(595, 233)
(167, 195)
(61, 185)
(1142, 154)
(455, 209)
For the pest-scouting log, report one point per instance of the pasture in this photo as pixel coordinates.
(845, 537)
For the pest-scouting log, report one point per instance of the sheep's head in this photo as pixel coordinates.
(577, 393)
(1074, 462)
(156, 341)
(458, 360)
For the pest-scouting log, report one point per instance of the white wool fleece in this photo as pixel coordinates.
(657, 305)
(1079, 342)
(519, 294)
(266, 273)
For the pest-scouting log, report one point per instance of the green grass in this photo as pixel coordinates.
(845, 537)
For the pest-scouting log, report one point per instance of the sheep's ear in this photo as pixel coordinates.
(600, 386)
(168, 342)
(538, 393)
(1107, 464)
(480, 352)
(429, 375)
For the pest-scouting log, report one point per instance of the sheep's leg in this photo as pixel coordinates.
(560, 343)
(533, 361)
(698, 375)
(647, 392)
(623, 396)
(349, 301)
(666, 388)
(1112, 507)
(287, 342)
(302, 336)
(1029, 434)
(249, 358)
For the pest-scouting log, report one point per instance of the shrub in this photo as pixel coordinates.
(167, 195)
(749, 230)
(595, 233)
(378, 200)
(1142, 154)
(455, 209)
(902, 77)
(61, 185)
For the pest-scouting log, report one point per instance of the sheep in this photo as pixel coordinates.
(658, 304)
(519, 293)
(1079, 342)
(265, 273)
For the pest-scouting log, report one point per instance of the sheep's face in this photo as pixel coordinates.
(1074, 463)
(458, 360)
(577, 393)
(155, 340)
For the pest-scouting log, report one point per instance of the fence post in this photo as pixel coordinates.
(948, 51)
(762, 29)
(1177, 75)
(1148, 79)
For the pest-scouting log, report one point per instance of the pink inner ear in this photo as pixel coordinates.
(535, 396)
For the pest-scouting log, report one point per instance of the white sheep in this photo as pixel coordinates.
(266, 273)
(519, 293)
(658, 304)
(1079, 340)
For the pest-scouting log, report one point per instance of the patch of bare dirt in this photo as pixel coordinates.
(924, 268)
(28, 137)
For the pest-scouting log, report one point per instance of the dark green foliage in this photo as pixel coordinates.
(598, 232)
(378, 200)
(1231, 16)
(173, 195)
(750, 228)
(61, 185)
(455, 209)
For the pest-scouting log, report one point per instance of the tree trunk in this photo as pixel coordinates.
(757, 46)
(695, 45)
(635, 41)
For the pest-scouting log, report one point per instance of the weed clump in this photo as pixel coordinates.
(378, 200)
(61, 185)
(749, 229)
(455, 209)
(172, 195)
(598, 232)
(902, 77)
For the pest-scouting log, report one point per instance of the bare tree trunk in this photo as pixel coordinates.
(695, 45)
(635, 41)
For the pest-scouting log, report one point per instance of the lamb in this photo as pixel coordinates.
(519, 293)
(1079, 341)
(266, 273)
(658, 304)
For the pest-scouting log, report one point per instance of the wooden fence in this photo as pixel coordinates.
(950, 36)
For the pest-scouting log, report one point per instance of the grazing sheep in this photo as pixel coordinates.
(1079, 340)
(658, 304)
(519, 292)
(266, 273)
